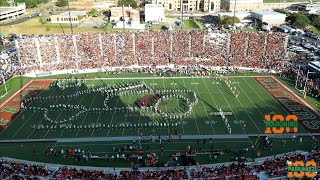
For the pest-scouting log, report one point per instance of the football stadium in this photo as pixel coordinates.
(157, 105)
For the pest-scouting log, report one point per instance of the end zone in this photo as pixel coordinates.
(308, 117)
(10, 109)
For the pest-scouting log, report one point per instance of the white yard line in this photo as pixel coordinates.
(298, 97)
(245, 109)
(202, 106)
(6, 101)
(75, 112)
(231, 109)
(95, 123)
(277, 100)
(97, 119)
(209, 91)
(256, 92)
(30, 116)
(151, 143)
(139, 123)
(9, 100)
(125, 119)
(194, 117)
(271, 108)
(56, 119)
(164, 86)
(113, 114)
(248, 112)
(87, 112)
(180, 77)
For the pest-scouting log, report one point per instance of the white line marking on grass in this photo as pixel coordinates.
(179, 77)
(139, 123)
(98, 118)
(87, 113)
(194, 117)
(271, 108)
(9, 100)
(30, 116)
(142, 143)
(246, 109)
(6, 101)
(180, 120)
(286, 88)
(204, 82)
(95, 123)
(125, 119)
(113, 114)
(294, 94)
(232, 110)
(75, 90)
(87, 85)
(195, 85)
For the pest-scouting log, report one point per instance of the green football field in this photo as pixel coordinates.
(213, 94)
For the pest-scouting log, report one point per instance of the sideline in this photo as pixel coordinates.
(175, 137)
(118, 169)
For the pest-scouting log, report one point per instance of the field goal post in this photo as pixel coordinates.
(5, 87)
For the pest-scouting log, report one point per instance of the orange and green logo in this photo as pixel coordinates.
(299, 169)
(278, 124)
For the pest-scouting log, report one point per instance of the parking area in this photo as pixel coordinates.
(306, 46)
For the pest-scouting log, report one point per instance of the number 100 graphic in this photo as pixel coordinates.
(279, 124)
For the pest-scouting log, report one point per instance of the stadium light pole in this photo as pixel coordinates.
(5, 85)
(123, 19)
(181, 2)
(70, 17)
(298, 77)
(234, 12)
(305, 84)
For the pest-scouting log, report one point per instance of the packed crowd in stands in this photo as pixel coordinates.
(159, 48)
(8, 65)
(162, 48)
(275, 166)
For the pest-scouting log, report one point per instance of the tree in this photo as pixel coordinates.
(143, 4)
(317, 22)
(298, 20)
(62, 3)
(32, 3)
(228, 20)
(282, 11)
(80, 18)
(94, 13)
(3, 2)
(44, 15)
(126, 3)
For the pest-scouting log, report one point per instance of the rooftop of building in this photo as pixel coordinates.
(73, 13)
(154, 6)
(5, 8)
(268, 13)
(116, 8)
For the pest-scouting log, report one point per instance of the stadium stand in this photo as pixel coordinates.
(132, 49)
(270, 167)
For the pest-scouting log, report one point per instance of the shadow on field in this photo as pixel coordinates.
(123, 122)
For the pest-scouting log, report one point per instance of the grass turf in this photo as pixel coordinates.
(105, 148)
(190, 24)
(251, 106)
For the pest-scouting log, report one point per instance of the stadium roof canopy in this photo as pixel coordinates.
(315, 66)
